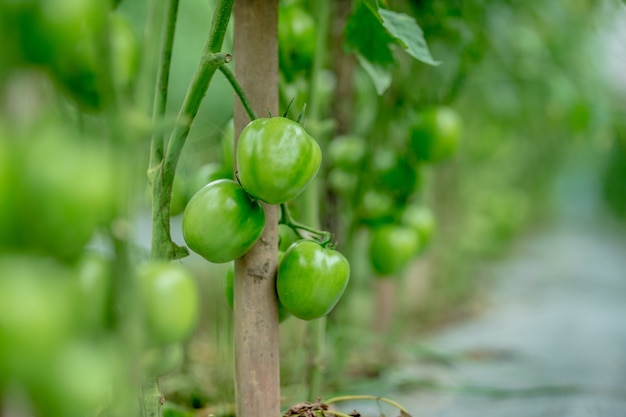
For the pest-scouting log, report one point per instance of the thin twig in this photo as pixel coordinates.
(239, 91)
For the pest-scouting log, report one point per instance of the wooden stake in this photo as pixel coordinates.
(257, 378)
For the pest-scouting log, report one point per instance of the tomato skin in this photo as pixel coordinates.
(286, 236)
(347, 152)
(311, 279)
(222, 222)
(207, 173)
(124, 50)
(395, 173)
(8, 191)
(179, 197)
(95, 292)
(392, 247)
(78, 380)
(169, 296)
(376, 206)
(228, 147)
(297, 39)
(37, 313)
(46, 29)
(421, 219)
(342, 181)
(74, 29)
(56, 207)
(435, 135)
(276, 159)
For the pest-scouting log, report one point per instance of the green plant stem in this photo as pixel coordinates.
(323, 237)
(151, 398)
(162, 81)
(195, 94)
(163, 163)
(162, 246)
(317, 357)
(367, 397)
(322, 18)
(311, 196)
(335, 413)
(150, 54)
(230, 77)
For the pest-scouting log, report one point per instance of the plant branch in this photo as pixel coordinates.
(165, 159)
(162, 245)
(321, 236)
(162, 81)
(239, 91)
(368, 397)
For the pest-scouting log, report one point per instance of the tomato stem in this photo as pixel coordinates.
(230, 77)
(323, 237)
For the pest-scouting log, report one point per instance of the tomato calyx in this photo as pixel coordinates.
(322, 237)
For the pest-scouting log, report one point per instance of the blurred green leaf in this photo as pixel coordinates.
(369, 41)
(370, 32)
(381, 77)
(408, 33)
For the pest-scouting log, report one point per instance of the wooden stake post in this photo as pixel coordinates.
(257, 378)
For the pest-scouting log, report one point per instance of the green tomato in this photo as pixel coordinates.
(421, 219)
(311, 279)
(76, 28)
(162, 360)
(222, 222)
(207, 173)
(228, 147)
(180, 195)
(95, 292)
(37, 313)
(286, 236)
(48, 29)
(229, 288)
(376, 206)
(58, 206)
(297, 39)
(342, 181)
(79, 380)
(170, 302)
(435, 134)
(395, 173)
(347, 152)
(392, 247)
(9, 189)
(276, 159)
(124, 50)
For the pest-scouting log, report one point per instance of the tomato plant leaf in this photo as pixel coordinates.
(408, 33)
(366, 37)
(369, 34)
(380, 76)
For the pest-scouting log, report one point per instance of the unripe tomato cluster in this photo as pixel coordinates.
(387, 199)
(62, 301)
(276, 160)
(68, 39)
(58, 344)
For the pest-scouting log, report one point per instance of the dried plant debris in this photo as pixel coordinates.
(306, 409)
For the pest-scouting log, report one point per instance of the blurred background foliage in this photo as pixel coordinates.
(540, 87)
